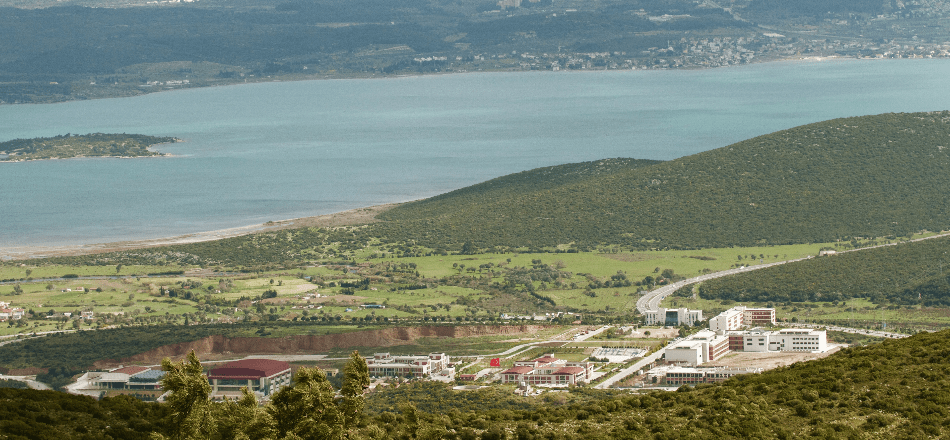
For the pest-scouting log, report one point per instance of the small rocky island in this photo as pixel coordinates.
(86, 145)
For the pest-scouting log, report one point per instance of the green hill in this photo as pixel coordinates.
(907, 274)
(869, 176)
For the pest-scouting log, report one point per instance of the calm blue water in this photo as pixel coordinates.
(274, 151)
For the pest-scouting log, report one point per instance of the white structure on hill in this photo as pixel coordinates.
(790, 339)
(386, 365)
(740, 316)
(702, 347)
(706, 346)
(691, 376)
(672, 317)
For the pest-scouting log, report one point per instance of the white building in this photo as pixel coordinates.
(9, 312)
(691, 376)
(791, 339)
(386, 365)
(702, 347)
(740, 316)
(672, 317)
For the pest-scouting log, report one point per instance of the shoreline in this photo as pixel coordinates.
(372, 76)
(351, 217)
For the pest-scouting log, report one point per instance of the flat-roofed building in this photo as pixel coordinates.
(386, 365)
(741, 316)
(672, 317)
(699, 348)
(261, 376)
(691, 376)
(128, 378)
(790, 339)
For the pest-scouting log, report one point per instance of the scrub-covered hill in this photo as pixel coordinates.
(869, 176)
(905, 274)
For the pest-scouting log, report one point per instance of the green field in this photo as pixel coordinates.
(449, 288)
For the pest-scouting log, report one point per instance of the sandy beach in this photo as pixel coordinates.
(359, 216)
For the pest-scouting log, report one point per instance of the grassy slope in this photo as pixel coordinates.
(908, 273)
(864, 176)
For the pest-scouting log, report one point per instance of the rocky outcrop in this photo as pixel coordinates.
(213, 346)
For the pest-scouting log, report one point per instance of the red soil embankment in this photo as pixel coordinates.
(213, 346)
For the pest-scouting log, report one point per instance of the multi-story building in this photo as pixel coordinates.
(672, 317)
(548, 370)
(702, 347)
(790, 339)
(740, 316)
(386, 365)
(261, 376)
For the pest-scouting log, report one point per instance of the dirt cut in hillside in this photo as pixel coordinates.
(220, 347)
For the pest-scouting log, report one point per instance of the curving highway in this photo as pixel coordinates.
(651, 300)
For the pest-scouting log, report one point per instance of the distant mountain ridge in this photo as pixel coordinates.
(867, 176)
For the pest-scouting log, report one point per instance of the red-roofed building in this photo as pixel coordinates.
(262, 376)
(548, 370)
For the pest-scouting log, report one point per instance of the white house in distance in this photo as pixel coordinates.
(672, 317)
(9, 312)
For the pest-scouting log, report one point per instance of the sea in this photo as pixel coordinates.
(270, 151)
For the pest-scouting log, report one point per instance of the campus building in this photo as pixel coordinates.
(386, 365)
(691, 376)
(704, 346)
(548, 370)
(672, 317)
(128, 378)
(261, 376)
(741, 316)
(790, 339)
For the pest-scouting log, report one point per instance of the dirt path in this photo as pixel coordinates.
(360, 216)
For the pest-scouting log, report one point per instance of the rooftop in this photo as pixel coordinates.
(248, 369)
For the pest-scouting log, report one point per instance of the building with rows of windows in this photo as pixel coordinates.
(548, 371)
(386, 365)
(741, 316)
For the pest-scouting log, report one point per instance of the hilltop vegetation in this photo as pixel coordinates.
(904, 274)
(869, 176)
(87, 145)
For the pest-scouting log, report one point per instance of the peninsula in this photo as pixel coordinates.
(87, 145)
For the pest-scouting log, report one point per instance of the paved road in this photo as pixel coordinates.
(34, 385)
(651, 300)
